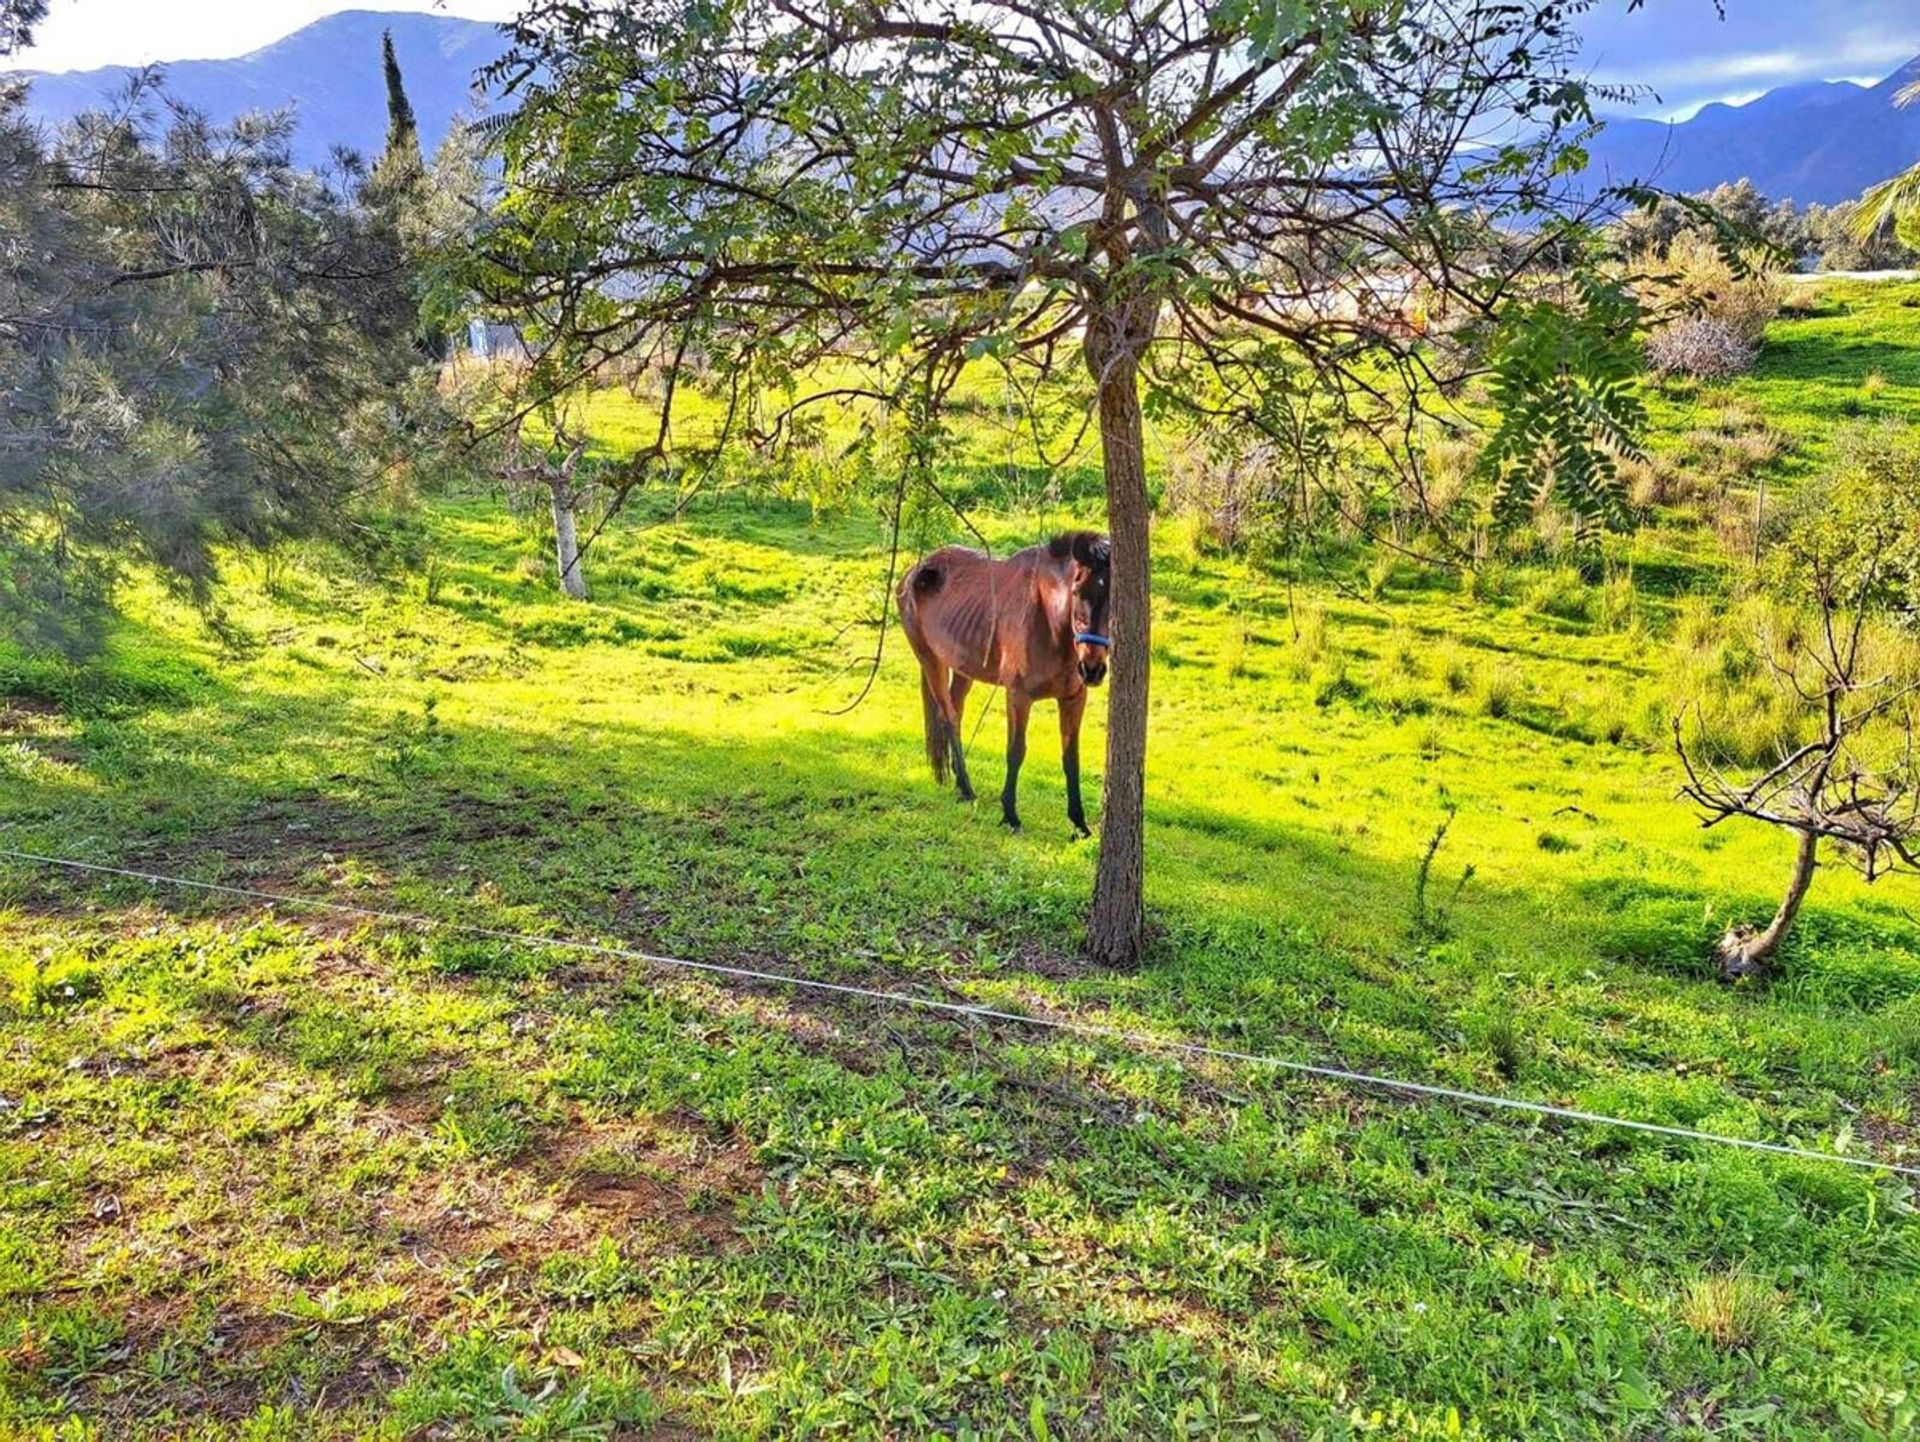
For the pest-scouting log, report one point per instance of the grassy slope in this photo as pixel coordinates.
(295, 1175)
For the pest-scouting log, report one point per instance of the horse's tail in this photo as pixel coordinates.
(936, 730)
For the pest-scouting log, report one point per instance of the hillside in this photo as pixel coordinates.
(1819, 142)
(328, 72)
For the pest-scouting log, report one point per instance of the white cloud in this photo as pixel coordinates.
(1872, 54)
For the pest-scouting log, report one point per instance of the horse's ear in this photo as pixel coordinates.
(1095, 552)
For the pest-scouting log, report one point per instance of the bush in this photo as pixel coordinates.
(1699, 282)
(1702, 347)
(1228, 496)
(1490, 583)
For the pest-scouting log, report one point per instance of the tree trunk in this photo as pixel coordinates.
(1116, 928)
(1743, 951)
(566, 542)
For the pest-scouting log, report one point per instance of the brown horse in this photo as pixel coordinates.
(1034, 623)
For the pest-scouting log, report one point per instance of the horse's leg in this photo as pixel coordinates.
(943, 720)
(1072, 709)
(951, 694)
(958, 689)
(1019, 707)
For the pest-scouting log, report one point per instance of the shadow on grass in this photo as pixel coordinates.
(831, 854)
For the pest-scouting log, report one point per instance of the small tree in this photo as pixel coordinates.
(1201, 209)
(1847, 773)
(551, 465)
(403, 132)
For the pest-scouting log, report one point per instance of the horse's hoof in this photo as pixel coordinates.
(1012, 823)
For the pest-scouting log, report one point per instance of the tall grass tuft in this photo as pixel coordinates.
(1732, 1310)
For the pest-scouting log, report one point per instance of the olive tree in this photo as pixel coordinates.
(1233, 213)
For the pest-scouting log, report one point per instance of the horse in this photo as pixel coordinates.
(1034, 624)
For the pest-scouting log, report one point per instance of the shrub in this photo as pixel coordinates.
(1406, 651)
(1619, 602)
(1331, 683)
(1309, 631)
(1700, 346)
(1490, 582)
(1805, 300)
(1228, 495)
(1382, 571)
(1655, 481)
(1698, 281)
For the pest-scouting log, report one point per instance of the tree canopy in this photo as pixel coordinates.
(199, 349)
(1246, 213)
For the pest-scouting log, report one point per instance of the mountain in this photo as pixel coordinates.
(328, 73)
(1823, 141)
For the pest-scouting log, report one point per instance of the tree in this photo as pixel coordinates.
(552, 466)
(17, 19)
(1846, 241)
(1732, 210)
(1895, 202)
(398, 198)
(1229, 212)
(197, 351)
(1847, 772)
(403, 135)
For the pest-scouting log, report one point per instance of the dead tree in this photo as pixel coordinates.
(1851, 781)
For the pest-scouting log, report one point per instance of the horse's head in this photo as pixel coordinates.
(1092, 560)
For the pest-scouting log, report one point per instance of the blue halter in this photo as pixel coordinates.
(1090, 638)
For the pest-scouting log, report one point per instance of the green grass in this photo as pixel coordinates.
(272, 1174)
(1844, 350)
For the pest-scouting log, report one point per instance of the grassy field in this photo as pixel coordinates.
(267, 1173)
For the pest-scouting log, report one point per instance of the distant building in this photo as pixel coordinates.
(492, 340)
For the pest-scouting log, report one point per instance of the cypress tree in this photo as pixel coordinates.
(403, 135)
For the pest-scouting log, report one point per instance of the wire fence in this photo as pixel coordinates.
(1138, 1041)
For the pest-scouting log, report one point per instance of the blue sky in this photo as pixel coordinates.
(1689, 56)
(1678, 49)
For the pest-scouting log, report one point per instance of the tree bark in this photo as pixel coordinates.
(1743, 951)
(566, 542)
(1117, 925)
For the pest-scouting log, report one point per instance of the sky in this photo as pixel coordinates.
(1686, 55)
(83, 34)
(1678, 51)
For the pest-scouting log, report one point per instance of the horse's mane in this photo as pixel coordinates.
(1084, 545)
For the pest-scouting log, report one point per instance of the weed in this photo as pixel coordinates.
(1507, 1043)
(1434, 922)
(1732, 1310)
(1499, 692)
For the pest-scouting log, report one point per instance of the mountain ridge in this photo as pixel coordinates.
(327, 72)
(1813, 141)
(1821, 141)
